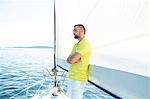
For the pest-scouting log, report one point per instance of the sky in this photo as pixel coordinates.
(26, 22)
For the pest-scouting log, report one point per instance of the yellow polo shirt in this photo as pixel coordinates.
(79, 71)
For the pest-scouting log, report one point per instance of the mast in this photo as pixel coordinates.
(54, 70)
(54, 36)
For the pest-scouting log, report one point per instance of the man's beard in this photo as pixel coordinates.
(76, 37)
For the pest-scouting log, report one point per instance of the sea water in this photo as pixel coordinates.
(24, 72)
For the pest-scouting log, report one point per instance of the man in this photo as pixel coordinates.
(79, 60)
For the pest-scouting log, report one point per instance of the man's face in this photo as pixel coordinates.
(76, 32)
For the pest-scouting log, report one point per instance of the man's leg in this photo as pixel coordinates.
(76, 89)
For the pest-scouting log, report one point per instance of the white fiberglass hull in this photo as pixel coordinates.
(124, 84)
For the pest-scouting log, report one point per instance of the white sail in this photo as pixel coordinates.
(119, 33)
(118, 30)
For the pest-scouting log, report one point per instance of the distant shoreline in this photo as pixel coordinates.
(30, 47)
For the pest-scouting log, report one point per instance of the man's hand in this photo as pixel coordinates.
(74, 58)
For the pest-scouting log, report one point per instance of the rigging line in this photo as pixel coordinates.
(139, 10)
(64, 76)
(38, 90)
(91, 11)
(38, 82)
(26, 88)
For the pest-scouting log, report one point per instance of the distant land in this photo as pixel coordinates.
(30, 47)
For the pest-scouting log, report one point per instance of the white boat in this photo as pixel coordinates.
(119, 33)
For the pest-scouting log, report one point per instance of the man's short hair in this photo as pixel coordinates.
(81, 25)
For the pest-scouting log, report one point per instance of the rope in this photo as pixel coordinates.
(26, 88)
(91, 11)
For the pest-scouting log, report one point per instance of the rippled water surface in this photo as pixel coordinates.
(24, 73)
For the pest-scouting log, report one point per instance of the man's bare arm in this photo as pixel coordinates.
(74, 58)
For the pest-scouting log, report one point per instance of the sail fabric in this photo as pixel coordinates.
(117, 29)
